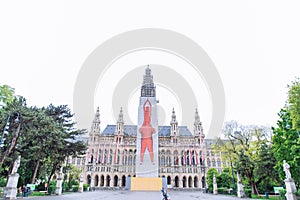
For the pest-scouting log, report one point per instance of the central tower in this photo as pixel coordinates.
(147, 130)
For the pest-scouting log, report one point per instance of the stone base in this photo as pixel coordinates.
(58, 189)
(146, 184)
(80, 188)
(10, 191)
(240, 190)
(290, 189)
(215, 189)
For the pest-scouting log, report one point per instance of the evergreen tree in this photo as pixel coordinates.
(44, 137)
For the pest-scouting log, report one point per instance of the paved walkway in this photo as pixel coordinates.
(119, 195)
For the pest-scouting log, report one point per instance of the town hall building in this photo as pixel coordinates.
(120, 151)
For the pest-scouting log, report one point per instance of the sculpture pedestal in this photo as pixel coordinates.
(11, 190)
(58, 189)
(80, 188)
(240, 190)
(290, 189)
(215, 188)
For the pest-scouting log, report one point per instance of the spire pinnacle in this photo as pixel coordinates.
(97, 116)
(120, 119)
(197, 117)
(173, 120)
(96, 122)
(198, 129)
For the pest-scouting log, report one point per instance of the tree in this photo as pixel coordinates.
(11, 111)
(209, 177)
(225, 179)
(47, 136)
(286, 136)
(7, 95)
(286, 145)
(247, 148)
(293, 103)
(72, 174)
(67, 142)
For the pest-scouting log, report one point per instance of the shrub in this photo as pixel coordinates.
(248, 192)
(298, 192)
(222, 190)
(85, 186)
(74, 182)
(282, 194)
(2, 182)
(66, 187)
(75, 188)
(52, 187)
(40, 187)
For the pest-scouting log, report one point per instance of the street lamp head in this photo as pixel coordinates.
(17, 120)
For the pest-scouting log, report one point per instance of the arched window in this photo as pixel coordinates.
(168, 158)
(168, 161)
(78, 161)
(213, 162)
(183, 159)
(176, 161)
(208, 162)
(162, 161)
(130, 160)
(110, 159)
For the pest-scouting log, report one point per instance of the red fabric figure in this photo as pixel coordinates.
(146, 132)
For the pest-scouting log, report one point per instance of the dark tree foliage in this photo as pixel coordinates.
(47, 136)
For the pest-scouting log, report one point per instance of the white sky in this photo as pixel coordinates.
(255, 46)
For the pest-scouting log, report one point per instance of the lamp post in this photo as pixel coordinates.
(5, 132)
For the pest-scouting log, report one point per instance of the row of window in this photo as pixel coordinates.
(161, 170)
(163, 161)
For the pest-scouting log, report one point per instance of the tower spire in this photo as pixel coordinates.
(120, 124)
(198, 129)
(96, 122)
(173, 121)
(148, 89)
(174, 124)
(120, 119)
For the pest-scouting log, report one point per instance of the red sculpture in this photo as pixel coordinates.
(147, 131)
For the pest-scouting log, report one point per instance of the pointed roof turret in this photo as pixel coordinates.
(173, 120)
(121, 119)
(198, 129)
(96, 122)
(197, 117)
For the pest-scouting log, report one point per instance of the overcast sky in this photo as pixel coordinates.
(254, 45)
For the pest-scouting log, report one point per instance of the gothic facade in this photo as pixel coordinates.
(183, 157)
